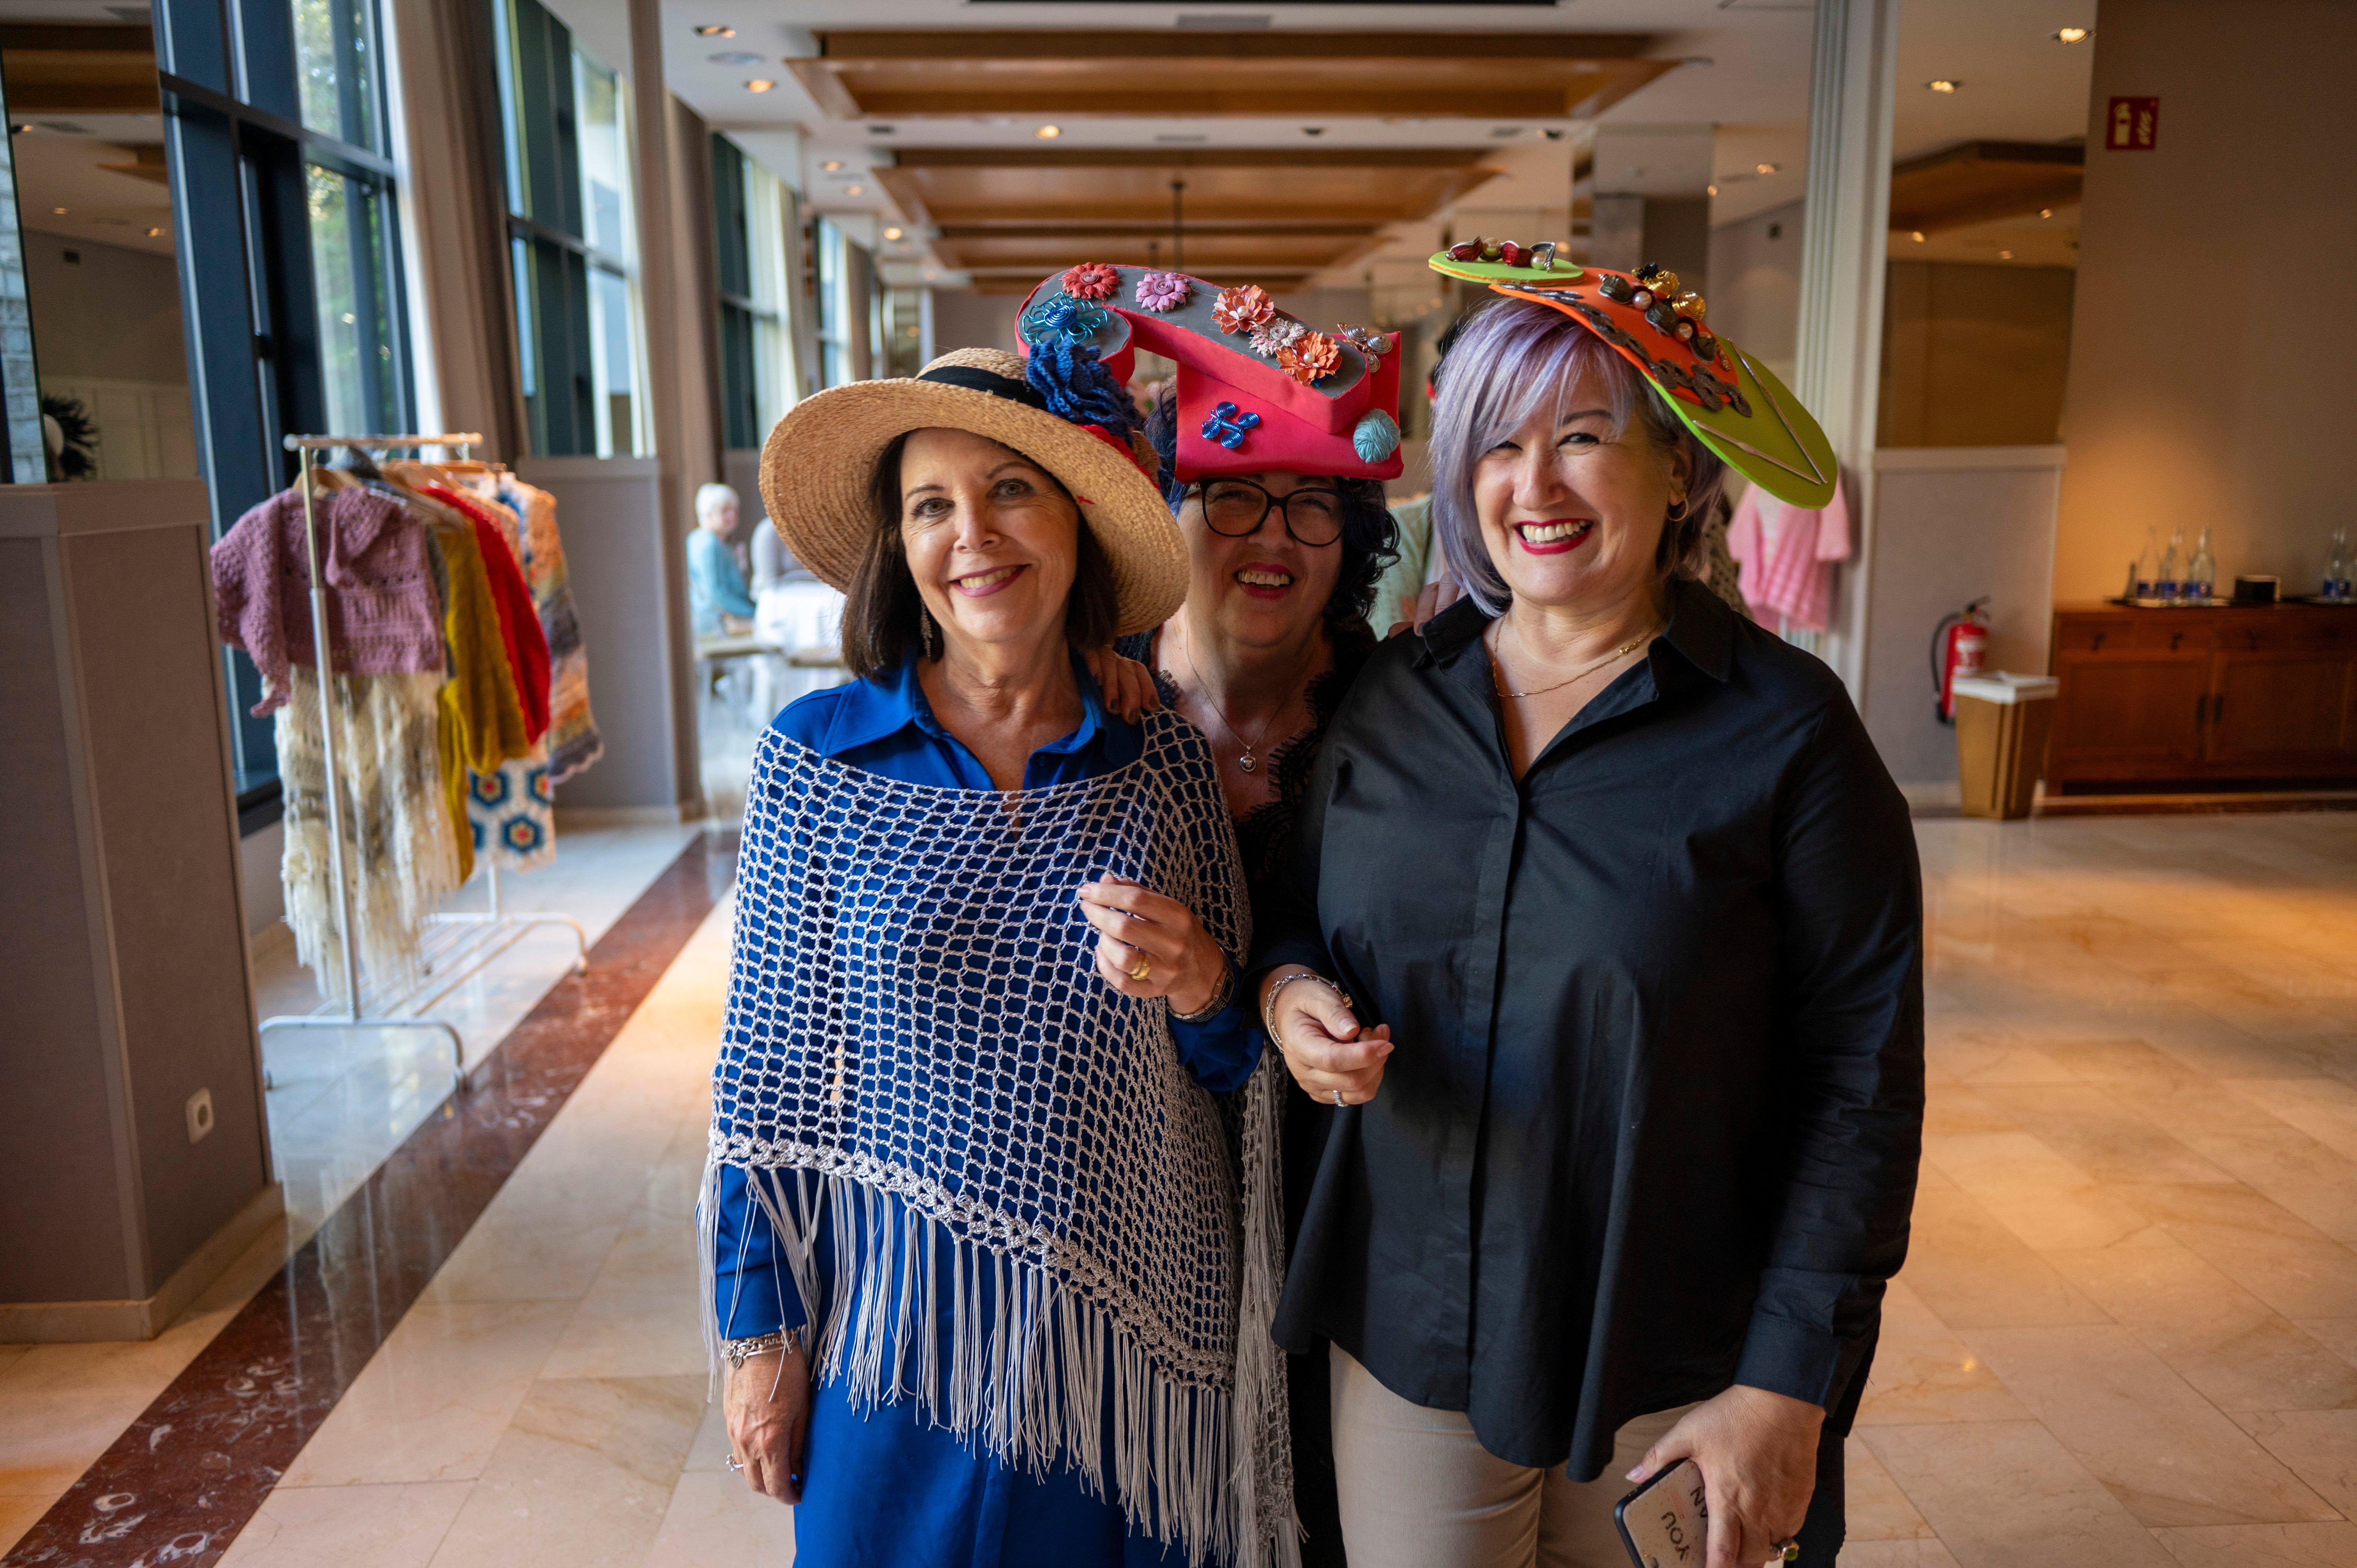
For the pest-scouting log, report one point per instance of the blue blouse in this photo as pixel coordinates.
(886, 1487)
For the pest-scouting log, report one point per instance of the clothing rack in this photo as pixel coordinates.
(478, 938)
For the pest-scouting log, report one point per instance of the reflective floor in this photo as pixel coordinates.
(2126, 1335)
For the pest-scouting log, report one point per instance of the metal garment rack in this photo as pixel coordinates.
(476, 939)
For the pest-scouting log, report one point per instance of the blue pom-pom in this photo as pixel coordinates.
(1376, 438)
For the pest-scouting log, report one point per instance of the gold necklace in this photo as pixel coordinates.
(1585, 670)
(1249, 762)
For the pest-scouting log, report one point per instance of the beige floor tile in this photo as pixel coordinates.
(1924, 1553)
(433, 1400)
(2258, 1244)
(717, 1521)
(1922, 1372)
(19, 1514)
(710, 1449)
(2034, 1192)
(62, 1405)
(2320, 1445)
(653, 1255)
(1961, 1108)
(2005, 1494)
(2260, 1546)
(2338, 1335)
(2323, 1108)
(582, 1480)
(2161, 1448)
(511, 1257)
(2235, 1349)
(2087, 1126)
(348, 1527)
(1972, 1272)
(632, 1336)
(1877, 1509)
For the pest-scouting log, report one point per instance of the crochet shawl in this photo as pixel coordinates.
(913, 1010)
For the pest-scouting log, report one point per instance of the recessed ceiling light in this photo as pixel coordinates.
(893, 234)
(2075, 35)
(880, 130)
(1048, 132)
(1553, 133)
(733, 57)
(56, 211)
(1916, 235)
(716, 30)
(155, 233)
(854, 190)
(1944, 84)
(1313, 130)
(2046, 212)
(2005, 255)
(1766, 168)
(759, 84)
(1711, 189)
(930, 275)
(831, 165)
(1503, 132)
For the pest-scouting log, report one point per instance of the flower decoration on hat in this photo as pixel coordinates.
(1311, 357)
(1161, 291)
(1243, 307)
(1091, 281)
(1063, 318)
(1667, 309)
(1271, 337)
(1228, 426)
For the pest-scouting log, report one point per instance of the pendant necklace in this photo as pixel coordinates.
(1249, 762)
(1585, 670)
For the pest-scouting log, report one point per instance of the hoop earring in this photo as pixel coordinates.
(925, 631)
(1677, 512)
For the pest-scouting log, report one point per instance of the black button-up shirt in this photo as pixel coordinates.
(1654, 1120)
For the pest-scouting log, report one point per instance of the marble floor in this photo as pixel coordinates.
(2126, 1333)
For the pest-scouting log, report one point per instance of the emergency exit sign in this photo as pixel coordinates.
(2134, 125)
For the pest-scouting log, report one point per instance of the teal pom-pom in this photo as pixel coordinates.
(1375, 436)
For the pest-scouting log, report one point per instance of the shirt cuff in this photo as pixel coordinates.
(757, 1301)
(1799, 1361)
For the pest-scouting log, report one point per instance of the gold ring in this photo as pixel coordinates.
(1145, 968)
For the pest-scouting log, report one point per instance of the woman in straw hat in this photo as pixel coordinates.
(991, 1274)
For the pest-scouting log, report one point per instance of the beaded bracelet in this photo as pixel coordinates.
(739, 1351)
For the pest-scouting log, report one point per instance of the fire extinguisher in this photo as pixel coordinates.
(1957, 648)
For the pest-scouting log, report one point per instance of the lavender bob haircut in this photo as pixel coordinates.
(1512, 359)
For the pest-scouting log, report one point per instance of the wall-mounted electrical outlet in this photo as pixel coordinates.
(200, 1115)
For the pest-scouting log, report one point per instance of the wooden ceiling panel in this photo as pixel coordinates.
(1253, 252)
(78, 68)
(1489, 76)
(1976, 182)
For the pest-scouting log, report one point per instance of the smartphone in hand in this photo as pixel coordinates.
(1665, 1523)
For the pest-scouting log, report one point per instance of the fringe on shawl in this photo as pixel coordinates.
(400, 858)
(1208, 1468)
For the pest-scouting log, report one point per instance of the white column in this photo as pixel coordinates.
(1845, 228)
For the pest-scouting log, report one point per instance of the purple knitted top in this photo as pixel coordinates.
(383, 617)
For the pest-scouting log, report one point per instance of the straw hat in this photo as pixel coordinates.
(820, 460)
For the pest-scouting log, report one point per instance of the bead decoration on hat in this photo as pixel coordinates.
(1668, 309)
(1243, 307)
(1229, 427)
(1373, 345)
(1161, 291)
(1091, 281)
(1505, 253)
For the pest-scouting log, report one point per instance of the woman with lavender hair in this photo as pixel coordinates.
(1603, 923)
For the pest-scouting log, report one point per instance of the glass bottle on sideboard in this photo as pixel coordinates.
(2167, 587)
(2147, 567)
(2201, 573)
(2336, 565)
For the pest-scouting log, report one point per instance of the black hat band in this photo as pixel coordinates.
(983, 381)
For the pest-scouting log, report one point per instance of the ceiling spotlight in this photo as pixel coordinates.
(1944, 84)
(1048, 132)
(1916, 235)
(1766, 168)
(2005, 255)
(56, 211)
(2075, 35)
(155, 233)
(854, 190)
(1553, 133)
(759, 84)
(715, 30)
(893, 234)
(1313, 130)
(1711, 189)
(831, 165)
(2046, 212)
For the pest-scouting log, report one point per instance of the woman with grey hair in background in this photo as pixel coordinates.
(1604, 925)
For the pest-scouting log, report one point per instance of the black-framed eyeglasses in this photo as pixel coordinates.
(1236, 508)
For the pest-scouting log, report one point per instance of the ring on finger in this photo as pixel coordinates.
(734, 1463)
(1145, 968)
(1338, 1099)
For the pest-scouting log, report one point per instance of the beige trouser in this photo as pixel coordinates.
(1418, 1491)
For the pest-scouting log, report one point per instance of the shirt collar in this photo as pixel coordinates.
(1702, 628)
(873, 709)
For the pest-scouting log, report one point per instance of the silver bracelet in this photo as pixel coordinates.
(1222, 995)
(739, 1351)
(1268, 1003)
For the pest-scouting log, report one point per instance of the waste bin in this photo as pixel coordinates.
(2001, 723)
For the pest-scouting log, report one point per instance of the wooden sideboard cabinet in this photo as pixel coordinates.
(2177, 696)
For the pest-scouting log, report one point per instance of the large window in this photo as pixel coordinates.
(573, 237)
(754, 220)
(850, 309)
(284, 215)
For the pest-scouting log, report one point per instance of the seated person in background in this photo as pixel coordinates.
(715, 587)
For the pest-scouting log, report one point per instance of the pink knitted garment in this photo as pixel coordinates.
(383, 617)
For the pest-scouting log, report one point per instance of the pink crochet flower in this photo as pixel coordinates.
(1310, 358)
(1242, 306)
(1092, 280)
(1159, 292)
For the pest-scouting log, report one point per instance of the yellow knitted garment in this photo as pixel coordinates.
(491, 714)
